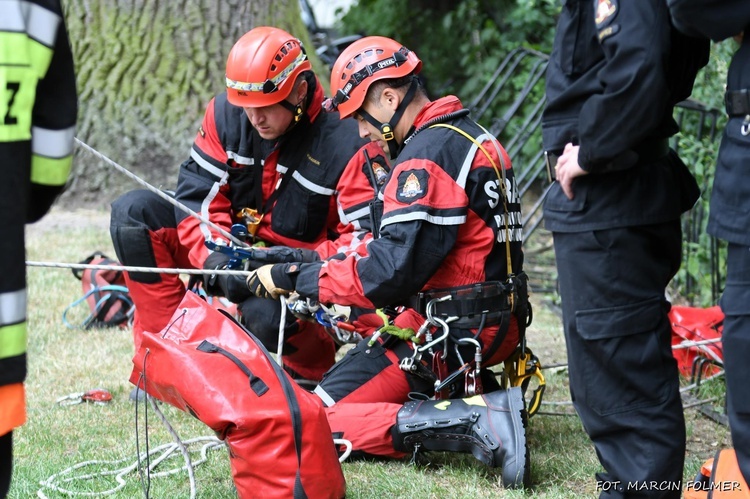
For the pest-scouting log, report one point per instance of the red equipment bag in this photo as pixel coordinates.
(105, 293)
(207, 364)
(719, 478)
(696, 335)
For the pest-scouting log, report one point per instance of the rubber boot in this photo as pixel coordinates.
(489, 426)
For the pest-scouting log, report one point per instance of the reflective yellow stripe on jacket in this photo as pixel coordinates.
(52, 155)
(27, 39)
(12, 324)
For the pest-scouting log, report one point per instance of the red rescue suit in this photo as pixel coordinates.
(444, 224)
(293, 181)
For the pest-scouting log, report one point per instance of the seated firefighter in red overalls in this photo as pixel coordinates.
(446, 255)
(266, 155)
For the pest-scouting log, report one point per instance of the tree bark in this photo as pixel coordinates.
(146, 70)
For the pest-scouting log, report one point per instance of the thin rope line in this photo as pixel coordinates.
(160, 193)
(132, 268)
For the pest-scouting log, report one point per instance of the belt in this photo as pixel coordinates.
(737, 102)
(649, 150)
(469, 303)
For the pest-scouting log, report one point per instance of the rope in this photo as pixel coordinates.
(282, 327)
(179, 443)
(406, 334)
(57, 481)
(160, 193)
(132, 268)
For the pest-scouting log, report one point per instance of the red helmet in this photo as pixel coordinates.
(263, 66)
(364, 62)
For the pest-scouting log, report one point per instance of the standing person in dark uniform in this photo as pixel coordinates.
(38, 110)
(447, 243)
(267, 156)
(729, 217)
(616, 72)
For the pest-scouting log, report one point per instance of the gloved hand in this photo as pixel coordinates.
(231, 286)
(272, 281)
(285, 254)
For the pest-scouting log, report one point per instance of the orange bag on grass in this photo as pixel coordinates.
(207, 364)
(719, 478)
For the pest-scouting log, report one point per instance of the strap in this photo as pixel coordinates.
(258, 167)
(737, 102)
(118, 292)
(257, 385)
(299, 148)
(501, 177)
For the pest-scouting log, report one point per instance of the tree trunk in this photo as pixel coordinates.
(146, 70)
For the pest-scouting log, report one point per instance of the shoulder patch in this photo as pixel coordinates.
(606, 11)
(412, 185)
(379, 169)
(201, 131)
(608, 31)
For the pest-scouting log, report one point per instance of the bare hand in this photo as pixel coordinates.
(567, 168)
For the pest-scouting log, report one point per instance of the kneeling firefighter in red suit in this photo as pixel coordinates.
(266, 156)
(445, 252)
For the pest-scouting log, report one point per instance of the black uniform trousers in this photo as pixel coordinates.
(623, 378)
(14, 197)
(735, 303)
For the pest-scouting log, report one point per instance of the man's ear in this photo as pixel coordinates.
(301, 91)
(390, 98)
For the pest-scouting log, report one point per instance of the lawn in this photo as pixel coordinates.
(103, 439)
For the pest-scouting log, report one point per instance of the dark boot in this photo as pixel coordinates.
(489, 426)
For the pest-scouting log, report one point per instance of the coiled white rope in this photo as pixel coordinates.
(58, 482)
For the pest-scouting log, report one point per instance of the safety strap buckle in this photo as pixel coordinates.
(251, 217)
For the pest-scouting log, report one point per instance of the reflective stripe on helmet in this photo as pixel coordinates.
(272, 84)
(355, 79)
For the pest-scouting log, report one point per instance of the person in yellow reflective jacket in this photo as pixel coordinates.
(38, 111)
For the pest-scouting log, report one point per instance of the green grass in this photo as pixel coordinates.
(63, 360)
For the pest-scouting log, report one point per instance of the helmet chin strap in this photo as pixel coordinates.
(296, 110)
(386, 129)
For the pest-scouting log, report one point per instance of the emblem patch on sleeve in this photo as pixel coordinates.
(606, 10)
(200, 131)
(412, 185)
(379, 170)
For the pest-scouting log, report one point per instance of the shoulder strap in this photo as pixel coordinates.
(501, 177)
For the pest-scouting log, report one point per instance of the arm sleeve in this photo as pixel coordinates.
(715, 19)
(53, 128)
(202, 187)
(423, 208)
(359, 184)
(635, 95)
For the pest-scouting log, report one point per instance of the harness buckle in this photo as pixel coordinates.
(251, 217)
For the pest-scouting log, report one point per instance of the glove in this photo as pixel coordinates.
(285, 254)
(272, 281)
(231, 286)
